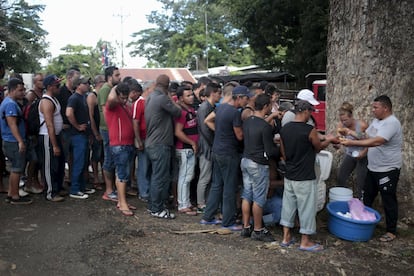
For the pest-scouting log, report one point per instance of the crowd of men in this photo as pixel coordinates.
(239, 147)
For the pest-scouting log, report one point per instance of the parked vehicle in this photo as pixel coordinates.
(319, 91)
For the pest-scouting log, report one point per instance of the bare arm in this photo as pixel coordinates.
(113, 99)
(70, 114)
(369, 142)
(48, 108)
(316, 141)
(92, 101)
(179, 133)
(209, 121)
(238, 131)
(12, 122)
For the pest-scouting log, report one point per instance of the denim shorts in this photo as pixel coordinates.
(122, 158)
(16, 158)
(255, 181)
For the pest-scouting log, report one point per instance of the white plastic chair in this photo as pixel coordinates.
(323, 167)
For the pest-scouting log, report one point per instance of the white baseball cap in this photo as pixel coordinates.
(307, 95)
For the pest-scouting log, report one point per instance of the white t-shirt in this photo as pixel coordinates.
(387, 156)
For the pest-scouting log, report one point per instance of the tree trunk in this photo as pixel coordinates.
(370, 53)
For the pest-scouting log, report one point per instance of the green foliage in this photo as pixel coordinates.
(180, 38)
(21, 37)
(86, 59)
(285, 34)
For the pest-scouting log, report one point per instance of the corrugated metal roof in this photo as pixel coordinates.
(146, 74)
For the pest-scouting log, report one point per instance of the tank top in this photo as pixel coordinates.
(350, 149)
(57, 118)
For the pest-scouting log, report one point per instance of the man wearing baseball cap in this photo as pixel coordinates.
(304, 95)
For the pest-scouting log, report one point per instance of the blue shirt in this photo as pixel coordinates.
(10, 108)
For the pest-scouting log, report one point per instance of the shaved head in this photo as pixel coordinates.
(163, 81)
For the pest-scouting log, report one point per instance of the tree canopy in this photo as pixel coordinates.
(286, 35)
(181, 39)
(87, 59)
(298, 27)
(22, 40)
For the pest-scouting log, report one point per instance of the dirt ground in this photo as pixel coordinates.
(91, 237)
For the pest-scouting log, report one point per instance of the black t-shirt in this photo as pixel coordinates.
(63, 97)
(258, 140)
(225, 141)
(299, 152)
(80, 108)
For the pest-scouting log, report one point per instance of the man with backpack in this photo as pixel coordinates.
(51, 153)
(33, 97)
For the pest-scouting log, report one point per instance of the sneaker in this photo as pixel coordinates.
(143, 199)
(89, 191)
(21, 201)
(79, 195)
(57, 198)
(33, 190)
(8, 199)
(22, 193)
(200, 210)
(246, 232)
(262, 235)
(165, 214)
(112, 196)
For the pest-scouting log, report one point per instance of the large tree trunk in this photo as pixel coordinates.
(371, 52)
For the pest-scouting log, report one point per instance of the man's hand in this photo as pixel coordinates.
(22, 147)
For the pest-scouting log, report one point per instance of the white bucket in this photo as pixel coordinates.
(339, 194)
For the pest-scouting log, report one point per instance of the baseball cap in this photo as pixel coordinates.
(51, 80)
(307, 95)
(285, 106)
(302, 105)
(242, 90)
(81, 80)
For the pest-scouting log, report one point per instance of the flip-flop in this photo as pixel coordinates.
(387, 237)
(314, 248)
(127, 213)
(287, 244)
(211, 222)
(129, 206)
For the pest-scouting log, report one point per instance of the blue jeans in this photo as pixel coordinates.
(186, 166)
(223, 188)
(80, 152)
(122, 159)
(255, 181)
(142, 174)
(108, 164)
(160, 161)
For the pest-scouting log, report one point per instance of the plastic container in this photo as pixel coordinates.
(323, 167)
(347, 228)
(339, 194)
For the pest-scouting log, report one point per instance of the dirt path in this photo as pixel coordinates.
(91, 237)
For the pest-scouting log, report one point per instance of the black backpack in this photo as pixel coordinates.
(31, 115)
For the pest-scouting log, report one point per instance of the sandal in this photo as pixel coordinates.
(387, 237)
(165, 214)
(188, 211)
(131, 207)
(314, 248)
(98, 186)
(287, 244)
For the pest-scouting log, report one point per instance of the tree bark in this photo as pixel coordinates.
(370, 53)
